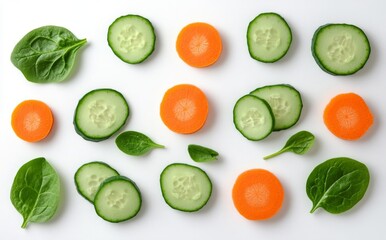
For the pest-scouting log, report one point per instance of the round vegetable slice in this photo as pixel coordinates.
(257, 194)
(118, 199)
(185, 187)
(100, 113)
(340, 49)
(253, 117)
(132, 38)
(89, 177)
(269, 37)
(347, 116)
(184, 108)
(32, 120)
(199, 44)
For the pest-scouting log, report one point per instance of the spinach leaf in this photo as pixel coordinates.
(298, 143)
(46, 54)
(201, 154)
(135, 143)
(337, 184)
(35, 192)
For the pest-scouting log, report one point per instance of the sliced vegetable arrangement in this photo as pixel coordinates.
(185, 187)
(340, 49)
(266, 109)
(268, 37)
(199, 44)
(32, 120)
(36, 191)
(132, 38)
(115, 198)
(47, 54)
(100, 113)
(337, 184)
(347, 116)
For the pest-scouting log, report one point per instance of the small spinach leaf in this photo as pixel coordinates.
(35, 192)
(337, 184)
(201, 154)
(135, 143)
(298, 143)
(46, 54)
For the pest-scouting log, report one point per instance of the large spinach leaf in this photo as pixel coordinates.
(337, 184)
(46, 54)
(35, 191)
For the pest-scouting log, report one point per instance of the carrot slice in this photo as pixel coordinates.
(347, 116)
(184, 108)
(257, 194)
(32, 120)
(199, 44)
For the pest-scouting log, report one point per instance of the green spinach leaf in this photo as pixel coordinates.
(135, 143)
(46, 54)
(35, 192)
(298, 143)
(201, 154)
(337, 184)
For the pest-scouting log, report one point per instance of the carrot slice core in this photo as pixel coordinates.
(32, 120)
(347, 116)
(184, 108)
(257, 194)
(199, 44)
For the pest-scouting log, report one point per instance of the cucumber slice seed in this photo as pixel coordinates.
(253, 117)
(340, 49)
(90, 176)
(132, 38)
(118, 199)
(285, 101)
(185, 187)
(100, 113)
(268, 37)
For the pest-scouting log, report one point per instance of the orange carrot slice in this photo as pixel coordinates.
(257, 194)
(199, 44)
(32, 120)
(347, 116)
(184, 108)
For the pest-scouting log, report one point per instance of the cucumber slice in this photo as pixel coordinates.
(340, 49)
(285, 101)
(253, 117)
(132, 38)
(269, 37)
(100, 113)
(184, 187)
(118, 199)
(89, 177)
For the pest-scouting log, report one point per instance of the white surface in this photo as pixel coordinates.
(232, 76)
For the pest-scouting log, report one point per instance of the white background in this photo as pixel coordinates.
(234, 75)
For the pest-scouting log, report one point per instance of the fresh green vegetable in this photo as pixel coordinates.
(89, 177)
(46, 54)
(184, 187)
(269, 37)
(201, 154)
(253, 117)
(340, 49)
(118, 199)
(132, 38)
(35, 191)
(285, 101)
(337, 184)
(135, 143)
(298, 143)
(100, 113)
